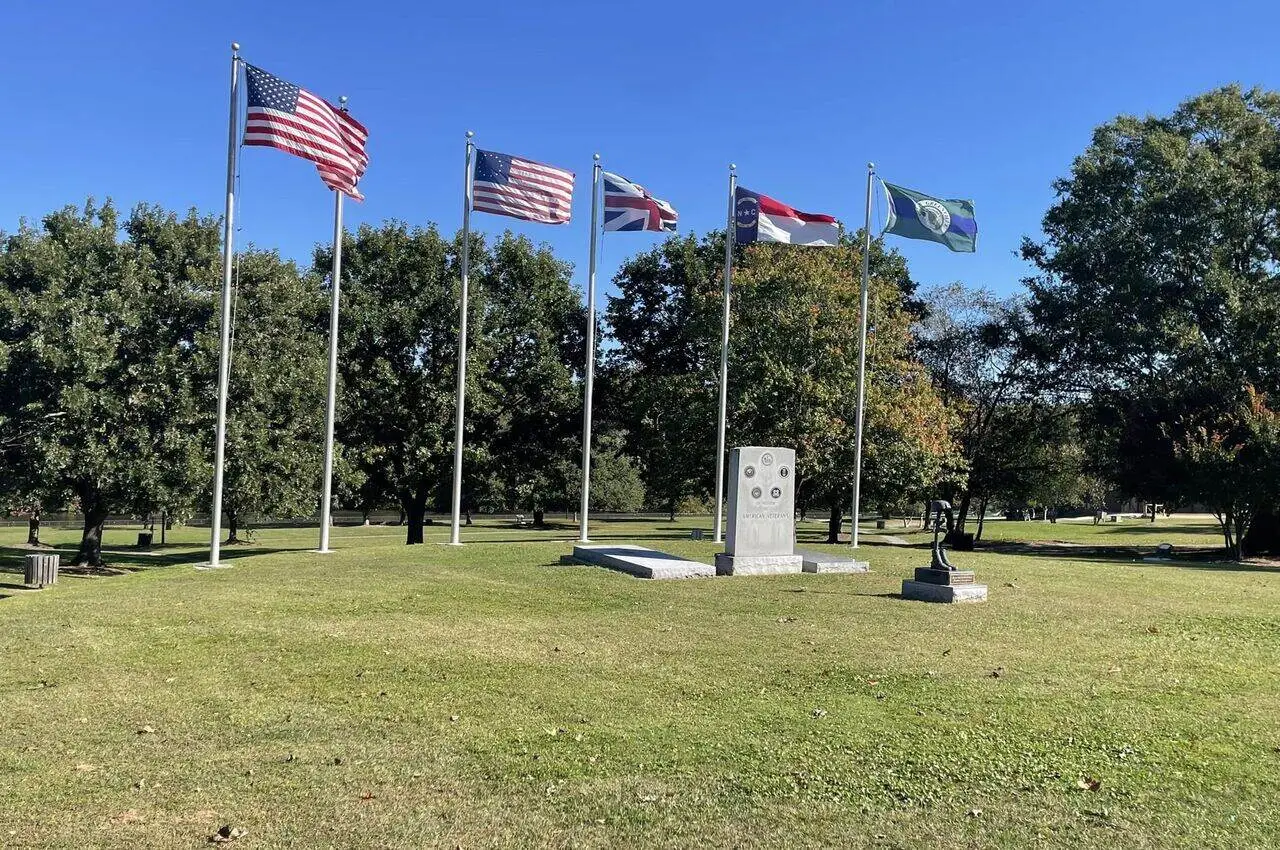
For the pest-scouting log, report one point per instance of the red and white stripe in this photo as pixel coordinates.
(533, 191)
(781, 223)
(319, 132)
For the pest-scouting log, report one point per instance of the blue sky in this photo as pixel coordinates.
(985, 100)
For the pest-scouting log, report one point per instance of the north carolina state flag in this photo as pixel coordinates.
(759, 218)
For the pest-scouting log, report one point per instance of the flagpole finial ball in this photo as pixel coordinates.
(733, 166)
(235, 47)
(871, 166)
(596, 157)
(470, 134)
(342, 100)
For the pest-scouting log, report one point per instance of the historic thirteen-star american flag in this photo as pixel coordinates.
(282, 115)
(629, 206)
(521, 188)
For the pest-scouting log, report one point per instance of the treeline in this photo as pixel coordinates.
(1139, 361)
(108, 360)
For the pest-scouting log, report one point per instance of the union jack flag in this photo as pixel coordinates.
(629, 206)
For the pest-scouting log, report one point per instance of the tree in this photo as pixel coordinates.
(658, 384)
(398, 360)
(615, 478)
(1159, 270)
(793, 370)
(530, 349)
(1017, 440)
(105, 377)
(275, 404)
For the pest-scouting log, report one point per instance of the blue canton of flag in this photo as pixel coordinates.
(629, 206)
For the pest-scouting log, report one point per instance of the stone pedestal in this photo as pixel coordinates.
(757, 565)
(761, 534)
(823, 562)
(932, 585)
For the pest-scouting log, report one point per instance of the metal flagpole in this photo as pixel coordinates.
(591, 352)
(462, 344)
(862, 364)
(224, 355)
(326, 497)
(724, 351)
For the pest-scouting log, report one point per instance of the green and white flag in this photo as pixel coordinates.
(916, 215)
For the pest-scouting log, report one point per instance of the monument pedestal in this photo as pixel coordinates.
(824, 562)
(757, 565)
(932, 585)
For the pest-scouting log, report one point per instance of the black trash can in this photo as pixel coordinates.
(144, 539)
(962, 542)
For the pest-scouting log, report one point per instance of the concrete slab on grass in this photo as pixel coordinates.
(923, 591)
(826, 562)
(639, 561)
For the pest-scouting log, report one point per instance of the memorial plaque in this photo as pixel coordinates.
(761, 533)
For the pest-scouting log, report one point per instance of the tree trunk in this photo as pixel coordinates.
(539, 518)
(671, 509)
(414, 507)
(402, 517)
(962, 513)
(233, 529)
(834, 521)
(365, 513)
(982, 517)
(95, 514)
(33, 529)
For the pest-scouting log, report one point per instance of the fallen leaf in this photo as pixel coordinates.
(85, 768)
(819, 712)
(146, 730)
(997, 673)
(453, 718)
(975, 813)
(366, 795)
(1088, 783)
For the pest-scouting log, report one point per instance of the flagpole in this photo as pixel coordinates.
(336, 278)
(862, 364)
(591, 352)
(224, 352)
(462, 346)
(724, 352)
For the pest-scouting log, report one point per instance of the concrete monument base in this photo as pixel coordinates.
(935, 585)
(639, 561)
(923, 591)
(824, 562)
(757, 565)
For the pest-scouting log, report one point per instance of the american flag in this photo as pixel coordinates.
(629, 206)
(282, 115)
(521, 188)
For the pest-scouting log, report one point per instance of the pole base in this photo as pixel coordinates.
(218, 566)
(322, 551)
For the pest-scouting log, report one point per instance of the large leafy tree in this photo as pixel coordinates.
(659, 381)
(398, 359)
(275, 410)
(530, 348)
(1158, 274)
(1018, 441)
(105, 379)
(793, 370)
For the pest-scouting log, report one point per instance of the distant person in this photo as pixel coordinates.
(1097, 516)
(1052, 514)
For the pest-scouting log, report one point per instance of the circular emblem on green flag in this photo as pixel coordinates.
(933, 215)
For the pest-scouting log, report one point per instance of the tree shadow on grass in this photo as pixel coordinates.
(122, 560)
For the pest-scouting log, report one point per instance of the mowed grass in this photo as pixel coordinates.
(393, 696)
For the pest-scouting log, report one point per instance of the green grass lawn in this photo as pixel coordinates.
(392, 696)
